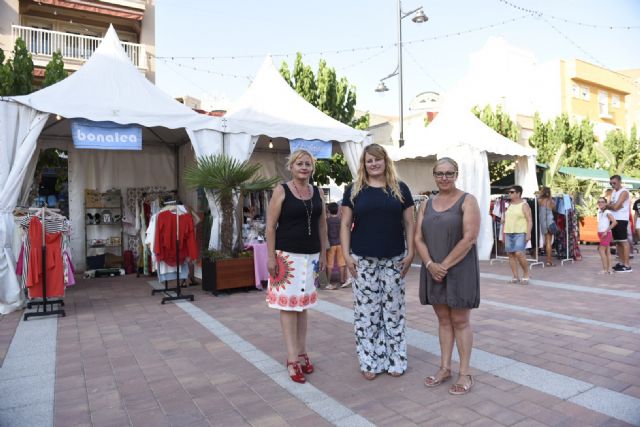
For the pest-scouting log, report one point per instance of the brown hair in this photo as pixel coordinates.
(545, 192)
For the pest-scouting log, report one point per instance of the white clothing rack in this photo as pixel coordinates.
(171, 206)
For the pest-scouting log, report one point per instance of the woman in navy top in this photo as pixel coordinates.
(296, 244)
(376, 235)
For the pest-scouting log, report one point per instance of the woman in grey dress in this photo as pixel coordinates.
(546, 206)
(450, 276)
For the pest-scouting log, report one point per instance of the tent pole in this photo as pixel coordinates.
(177, 154)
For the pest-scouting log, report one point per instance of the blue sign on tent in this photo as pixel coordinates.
(319, 149)
(105, 135)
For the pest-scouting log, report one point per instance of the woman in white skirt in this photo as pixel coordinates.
(296, 242)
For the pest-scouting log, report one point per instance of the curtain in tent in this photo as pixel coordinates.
(526, 175)
(473, 178)
(106, 169)
(352, 152)
(27, 183)
(20, 127)
(205, 141)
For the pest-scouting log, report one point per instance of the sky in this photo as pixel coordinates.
(209, 49)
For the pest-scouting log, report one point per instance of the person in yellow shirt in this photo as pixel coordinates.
(517, 228)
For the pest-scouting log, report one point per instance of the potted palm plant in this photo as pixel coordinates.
(226, 180)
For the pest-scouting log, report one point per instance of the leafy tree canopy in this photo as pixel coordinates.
(578, 138)
(16, 74)
(55, 70)
(621, 154)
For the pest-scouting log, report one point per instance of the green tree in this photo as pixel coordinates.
(635, 144)
(6, 75)
(22, 69)
(561, 143)
(335, 168)
(541, 140)
(578, 139)
(619, 152)
(334, 97)
(581, 149)
(55, 70)
(16, 74)
(499, 121)
(304, 81)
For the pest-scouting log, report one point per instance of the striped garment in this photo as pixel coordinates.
(53, 224)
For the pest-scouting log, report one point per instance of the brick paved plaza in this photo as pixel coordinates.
(564, 350)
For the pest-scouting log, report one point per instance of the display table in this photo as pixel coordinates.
(259, 262)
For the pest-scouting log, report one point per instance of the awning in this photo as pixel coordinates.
(599, 175)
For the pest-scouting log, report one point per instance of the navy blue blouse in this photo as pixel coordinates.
(378, 226)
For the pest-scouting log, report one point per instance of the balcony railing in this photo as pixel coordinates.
(71, 46)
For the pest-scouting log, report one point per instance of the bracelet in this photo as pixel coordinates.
(428, 264)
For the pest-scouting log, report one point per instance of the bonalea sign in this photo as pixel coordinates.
(105, 135)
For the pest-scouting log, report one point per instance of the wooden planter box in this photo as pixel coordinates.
(589, 229)
(233, 273)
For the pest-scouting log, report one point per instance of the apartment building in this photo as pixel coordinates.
(595, 93)
(509, 76)
(633, 99)
(423, 108)
(76, 27)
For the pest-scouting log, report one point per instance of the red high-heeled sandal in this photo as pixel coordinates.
(298, 376)
(307, 368)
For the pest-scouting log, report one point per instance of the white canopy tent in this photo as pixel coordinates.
(457, 133)
(107, 87)
(270, 107)
(271, 111)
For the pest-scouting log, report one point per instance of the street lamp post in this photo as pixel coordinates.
(418, 17)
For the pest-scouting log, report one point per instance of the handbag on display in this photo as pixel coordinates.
(553, 228)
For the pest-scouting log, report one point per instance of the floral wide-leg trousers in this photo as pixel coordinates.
(379, 315)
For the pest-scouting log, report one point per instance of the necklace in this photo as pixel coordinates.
(307, 209)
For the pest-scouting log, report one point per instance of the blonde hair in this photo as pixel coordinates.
(293, 157)
(449, 160)
(391, 177)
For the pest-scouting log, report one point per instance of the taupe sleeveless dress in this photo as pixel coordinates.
(461, 286)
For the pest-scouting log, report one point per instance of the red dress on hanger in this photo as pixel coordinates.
(165, 241)
(53, 262)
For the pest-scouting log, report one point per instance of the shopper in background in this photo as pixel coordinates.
(334, 254)
(619, 207)
(296, 234)
(448, 226)
(378, 252)
(606, 223)
(517, 227)
(546, 207)
(636, 217)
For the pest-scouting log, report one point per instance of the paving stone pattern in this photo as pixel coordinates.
(124, 359)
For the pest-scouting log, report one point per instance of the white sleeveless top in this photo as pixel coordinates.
(623, 213)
